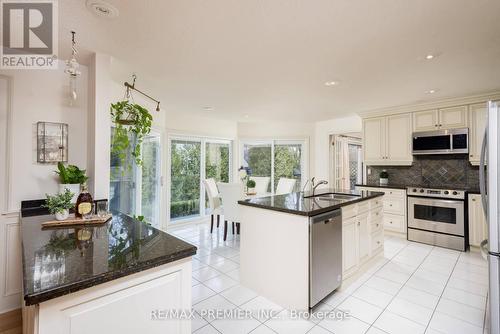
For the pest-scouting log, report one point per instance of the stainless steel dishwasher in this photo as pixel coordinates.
(325, 255)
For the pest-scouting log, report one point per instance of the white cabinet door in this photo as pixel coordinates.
(374, 140)
(425, 120)
(363, 237)
(10, 263)
(477, 122)
(477, 221)
(399, 131)
(349, 245)
(454, 117)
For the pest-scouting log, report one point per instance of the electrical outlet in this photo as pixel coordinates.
(369, 171)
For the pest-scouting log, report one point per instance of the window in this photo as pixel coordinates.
(136, 190)
(347, 161)
(191, 161)
(275, 159)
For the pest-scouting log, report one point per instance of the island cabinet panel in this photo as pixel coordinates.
(362, 234)
(128, 305)
(350, 242)
(478, 230)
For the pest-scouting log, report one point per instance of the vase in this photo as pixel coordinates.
(63, 215)
(74, 188)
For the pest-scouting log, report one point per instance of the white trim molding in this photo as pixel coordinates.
(437, 104)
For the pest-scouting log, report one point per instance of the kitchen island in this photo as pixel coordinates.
(110, 278)
(296, 248)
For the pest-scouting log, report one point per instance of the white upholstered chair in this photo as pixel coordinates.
(261, 183)
(285, 186)
(231, 193)
(213, 201)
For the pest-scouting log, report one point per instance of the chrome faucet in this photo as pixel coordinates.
(318, 184)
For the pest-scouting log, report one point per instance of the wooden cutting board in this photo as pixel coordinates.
(78, 221)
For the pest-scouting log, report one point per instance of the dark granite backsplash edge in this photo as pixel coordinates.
(453, 171)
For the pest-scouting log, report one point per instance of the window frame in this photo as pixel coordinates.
(304, 159)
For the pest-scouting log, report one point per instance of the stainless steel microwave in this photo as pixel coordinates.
(452, 141)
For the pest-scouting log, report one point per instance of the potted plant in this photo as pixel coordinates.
(251, 186)
(384, 177)
(129, 117)
(71, 178)
(59, 204)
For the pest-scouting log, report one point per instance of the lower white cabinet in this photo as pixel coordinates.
(478, 230)
(394, 203)
(10, 263)
(362, 234)
(126, 305)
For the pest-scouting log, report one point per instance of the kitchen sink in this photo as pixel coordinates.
(336, 197)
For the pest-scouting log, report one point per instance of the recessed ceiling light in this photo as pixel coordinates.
(331, 83)
(429, 56)
(102, 9)
(432, 91)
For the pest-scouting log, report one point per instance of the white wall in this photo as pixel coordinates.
(42, 95)
(322, 133)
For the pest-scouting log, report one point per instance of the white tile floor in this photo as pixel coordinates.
(411, 288)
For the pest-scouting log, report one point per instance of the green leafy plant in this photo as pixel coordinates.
(250, 184)
(129, 117)
(142, 219)
(384, 174)
(71, 174)
(60, 202)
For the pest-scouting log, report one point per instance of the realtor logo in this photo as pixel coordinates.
(29, 34)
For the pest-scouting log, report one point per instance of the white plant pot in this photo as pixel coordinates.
(74, 188)
(62, 215)
(251, 190)
(384, 182)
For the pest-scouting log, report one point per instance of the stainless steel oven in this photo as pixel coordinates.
(437, 217)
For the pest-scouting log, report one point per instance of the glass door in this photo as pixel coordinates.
(355, 165)
(185, 175)
(217, 163)
(136, 190)
(259, 158)
(288, 163)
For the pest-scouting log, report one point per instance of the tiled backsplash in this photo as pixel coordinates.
(453, 171)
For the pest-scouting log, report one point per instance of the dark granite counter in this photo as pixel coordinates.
(59, 261)
(299, 203)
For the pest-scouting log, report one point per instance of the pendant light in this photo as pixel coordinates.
(72, 69)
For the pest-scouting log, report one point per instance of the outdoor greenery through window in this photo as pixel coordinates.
(193, 160)
(276, 159)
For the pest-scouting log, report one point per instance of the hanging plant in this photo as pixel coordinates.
(129, 117)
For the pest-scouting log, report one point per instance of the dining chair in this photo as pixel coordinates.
(231, 193)
(213, 201)
(285, 186)
(261, 183)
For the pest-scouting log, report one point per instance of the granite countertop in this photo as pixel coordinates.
(59, 261)
(390, 185)
(299, 203)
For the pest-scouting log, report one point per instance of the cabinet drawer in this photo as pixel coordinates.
(394, 205)
(377, 241)
(363, 207)
(376, 225)
(394, 222)
(376, 203)
(349, 211)
(377, 213)
(395, 192)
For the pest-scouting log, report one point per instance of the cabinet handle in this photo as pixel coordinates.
(390, 222)
(436, 125)
(378, 242)
(473, 199)
(359, 224)
(471, 155)
(377, 225)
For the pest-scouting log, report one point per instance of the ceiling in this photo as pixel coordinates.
(257, 60)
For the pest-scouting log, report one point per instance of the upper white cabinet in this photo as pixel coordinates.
(477, 122)
(440, 119)
(387, 140)
(426, 120)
